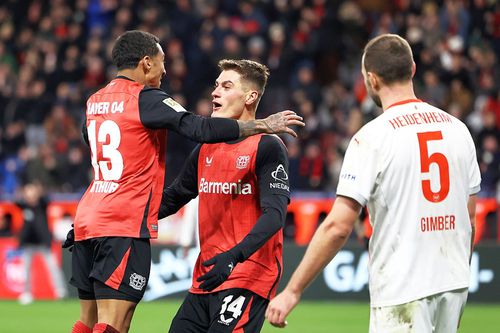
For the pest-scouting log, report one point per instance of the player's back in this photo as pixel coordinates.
(425, 171)
(128, 163)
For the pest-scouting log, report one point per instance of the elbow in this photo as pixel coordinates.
(336, 231)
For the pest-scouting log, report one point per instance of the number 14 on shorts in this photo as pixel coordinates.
(230, 310)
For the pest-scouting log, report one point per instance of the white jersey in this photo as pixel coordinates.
(414, 167)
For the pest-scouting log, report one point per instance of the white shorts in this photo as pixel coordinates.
(438, 313)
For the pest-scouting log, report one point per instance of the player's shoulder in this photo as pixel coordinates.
(121, 85)
(150, 91)
(271, 141)
(371, 129)
(271, 147)
(454, 120)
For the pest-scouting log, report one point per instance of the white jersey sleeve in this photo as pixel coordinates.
(475, 173)
(359, 170)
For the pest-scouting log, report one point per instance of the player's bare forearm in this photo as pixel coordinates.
(328, 239)
(274, 124)
(323, 247)
(251, 127)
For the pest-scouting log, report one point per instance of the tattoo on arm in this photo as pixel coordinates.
(252, 127)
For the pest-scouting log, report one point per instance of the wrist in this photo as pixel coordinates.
(237, 254)
(294, 289)
(251, 127)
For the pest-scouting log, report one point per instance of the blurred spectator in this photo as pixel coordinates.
(433, 90)
(489, 163)
(6, 225)
(35, 238)
(313, 172)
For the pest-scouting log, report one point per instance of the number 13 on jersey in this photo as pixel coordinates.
(108, 136)
(440, 161)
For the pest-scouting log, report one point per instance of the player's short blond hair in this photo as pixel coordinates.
(250, 71)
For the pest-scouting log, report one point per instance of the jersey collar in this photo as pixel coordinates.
(123, 77)
(406, 101)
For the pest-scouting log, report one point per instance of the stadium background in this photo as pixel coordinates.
(54, 54)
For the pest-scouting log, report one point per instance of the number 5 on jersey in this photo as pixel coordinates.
(108, 137)
(441, 162)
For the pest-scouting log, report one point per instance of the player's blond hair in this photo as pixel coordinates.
(250, 71)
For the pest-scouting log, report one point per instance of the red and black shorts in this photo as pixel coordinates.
(111, 268)
(231, 310)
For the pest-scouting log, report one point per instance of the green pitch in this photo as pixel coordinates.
(310, 317)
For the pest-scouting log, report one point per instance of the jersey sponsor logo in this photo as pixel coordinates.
(137, 281)
(208, 161)
(104, 186)
(242, 161)
(280, 174)
(225, 187)
(173, 104)
(281, 178)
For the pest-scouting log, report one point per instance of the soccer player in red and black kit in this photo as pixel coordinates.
(243, 193)
(125, 127)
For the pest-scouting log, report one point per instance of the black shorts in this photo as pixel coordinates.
(111, 268)
(231, 310)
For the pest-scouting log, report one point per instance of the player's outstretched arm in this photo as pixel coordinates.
(331, 235)
(158, 110)
(281, 122)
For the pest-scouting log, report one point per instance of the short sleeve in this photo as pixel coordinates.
(359, 170)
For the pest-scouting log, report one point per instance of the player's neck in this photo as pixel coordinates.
(247, 115)
(132, 74)
(396, 93)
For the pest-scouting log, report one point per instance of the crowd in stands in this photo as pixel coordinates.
(54, 54)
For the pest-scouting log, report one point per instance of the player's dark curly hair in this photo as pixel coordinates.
(131, 47)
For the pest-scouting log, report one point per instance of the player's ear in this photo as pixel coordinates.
(374, 80)
(147, 63)
(251, 97)
(413, 69)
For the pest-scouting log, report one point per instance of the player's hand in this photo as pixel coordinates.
(280, 306)
(69, 242)
(223, 266)
(282, 121)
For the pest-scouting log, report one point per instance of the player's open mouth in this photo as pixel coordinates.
(216, 106)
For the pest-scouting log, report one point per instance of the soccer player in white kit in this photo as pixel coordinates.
(415, 169)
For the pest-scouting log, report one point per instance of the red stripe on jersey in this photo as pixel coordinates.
(244, 318)
(406, 101)
(116, 278)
